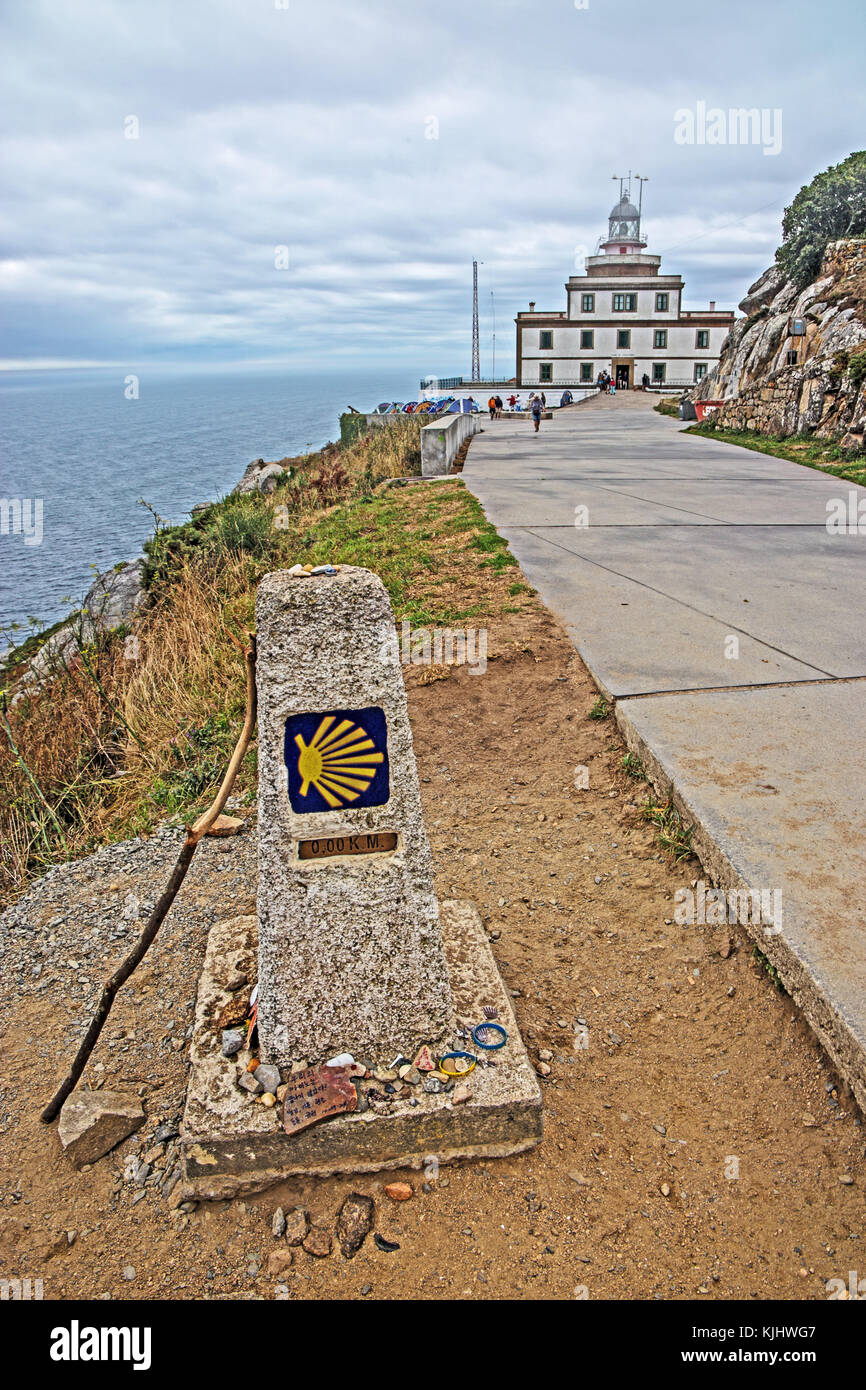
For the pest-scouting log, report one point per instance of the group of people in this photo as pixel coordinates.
(536, 404)
(605, 383)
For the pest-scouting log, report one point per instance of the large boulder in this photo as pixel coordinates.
(94, 1122)
(763, 291)
(261, 477)
(111, 601)
(114, 597)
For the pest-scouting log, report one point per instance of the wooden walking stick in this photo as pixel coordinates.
(194, 833)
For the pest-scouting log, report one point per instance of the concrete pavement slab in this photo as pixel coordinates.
(773, 779)
(693, 542)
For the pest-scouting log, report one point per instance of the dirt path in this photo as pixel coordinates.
(694, 1148)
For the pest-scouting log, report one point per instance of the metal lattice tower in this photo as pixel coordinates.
(476, 348)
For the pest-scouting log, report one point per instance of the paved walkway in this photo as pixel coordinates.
(704, 593)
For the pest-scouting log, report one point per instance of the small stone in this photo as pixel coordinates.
(342, 1059)
(297, 1225)
(433, 1085)
(398, 1191)
(279, 1261)
(545, 1055)
(247, 1082)
(236, 982)
(579, 1178)
(225, 825)
(268, 1077)
(410, 1074)
(366, 1289)
(234, 1013)
(298, 1066)
(847, 1180)
(318, 1242)
(281, 1093)
(354, 1220)
(460, 1094)
(232, 1041)
(543, 1069)
(268, 1100)
(384, 1074)
(278, 1223)
(93, 1122)
(165, 1133)
(665, 1189)
(660, 1129)
(809, 1121)
(129, 1273)
(424, 1060)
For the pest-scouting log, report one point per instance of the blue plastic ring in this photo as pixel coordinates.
(489, 1047)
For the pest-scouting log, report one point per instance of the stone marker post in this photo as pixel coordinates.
(350, 949)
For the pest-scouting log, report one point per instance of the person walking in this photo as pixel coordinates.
(499, 407)
(491, 406)
(536, 412)
(543, 400)
(512, 401)
(644, 381)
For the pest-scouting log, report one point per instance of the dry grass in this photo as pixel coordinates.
(137, 729)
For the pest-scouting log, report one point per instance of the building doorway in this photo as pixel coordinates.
(622, 376)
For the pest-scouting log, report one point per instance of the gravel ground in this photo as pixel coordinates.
(697, 1145)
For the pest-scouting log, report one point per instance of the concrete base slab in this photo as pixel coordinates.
(770, 781)
(232, 1145)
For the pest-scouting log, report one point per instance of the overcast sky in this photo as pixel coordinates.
(308, 127)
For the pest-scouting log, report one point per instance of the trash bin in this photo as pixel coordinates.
(687, 410)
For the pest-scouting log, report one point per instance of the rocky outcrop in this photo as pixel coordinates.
(112, 601)
(262, 477)
(775, 381)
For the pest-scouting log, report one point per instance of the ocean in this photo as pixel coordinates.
(75, 440)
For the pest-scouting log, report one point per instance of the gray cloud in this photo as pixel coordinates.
(305, 127)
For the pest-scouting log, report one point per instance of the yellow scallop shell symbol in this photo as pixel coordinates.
(340, 763)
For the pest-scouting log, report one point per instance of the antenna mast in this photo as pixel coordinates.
(476, 349)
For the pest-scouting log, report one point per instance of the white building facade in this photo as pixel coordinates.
(624, 317)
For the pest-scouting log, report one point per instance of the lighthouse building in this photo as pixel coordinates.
(624, 317)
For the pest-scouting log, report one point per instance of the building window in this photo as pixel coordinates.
(659, 369)
(700, 371)
(545, 371)
(623, 338)
(661, 303)
(624, 303)
(660, 338)
(587, 303)
(702, 338)
(545, 339)
(791, 357)
(587, 338)
(586, 371)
